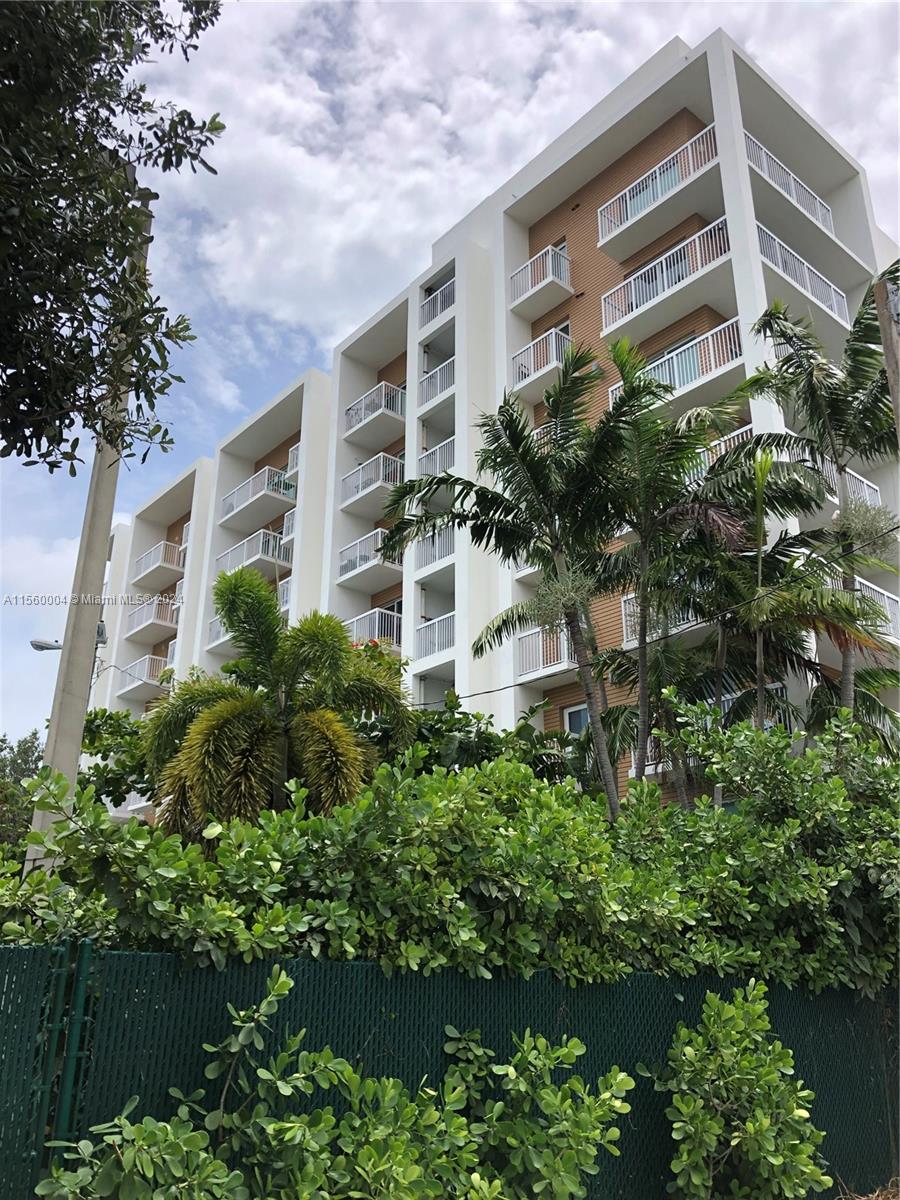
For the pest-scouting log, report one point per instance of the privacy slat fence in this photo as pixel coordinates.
(144, 1016)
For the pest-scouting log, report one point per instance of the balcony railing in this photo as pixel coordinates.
(171, 651)
(436, 636)
(687, 161)
(550, 263)
(268, 479)
(216, 632)
(666, 273)
(548, 350)
(858, 487)
(436, 546)
(382, 469)
(437, 303)
(543, 649)
(786, 181)
(362, 552)
(293, 462)
(162, 554)
(178, 598)
(377, 625)
(284, 594)
(143, 670)
(263, 544)
(721, 446)
(689, 363)
(287, 529)
(161, 609)
(798, 270)
(382, 398)
(438, 459)
(441, 379)
(656, 626)
(185, 535)
(889, 603)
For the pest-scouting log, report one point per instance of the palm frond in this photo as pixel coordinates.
(515, 619)
(248, 608)
(164, 728)
(331, 758)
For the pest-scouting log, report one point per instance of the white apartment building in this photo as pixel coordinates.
(672, 213)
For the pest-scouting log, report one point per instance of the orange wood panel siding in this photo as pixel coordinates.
(395, 371)
(387, 595)
(278, 455)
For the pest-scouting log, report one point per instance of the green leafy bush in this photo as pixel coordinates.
(488, 1132)
(489, 868)
(740, 1119)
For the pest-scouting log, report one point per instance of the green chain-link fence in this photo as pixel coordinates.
(137, 1022)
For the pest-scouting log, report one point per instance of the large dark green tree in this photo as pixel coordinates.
(79, 322)
(19, 760)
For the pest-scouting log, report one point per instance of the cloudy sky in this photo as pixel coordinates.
(356, 133)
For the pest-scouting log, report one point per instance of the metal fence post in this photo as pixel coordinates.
(62, 1130)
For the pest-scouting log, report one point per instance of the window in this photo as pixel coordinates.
(393, 606)
(575, 719)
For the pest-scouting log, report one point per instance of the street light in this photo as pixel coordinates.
(43, 644)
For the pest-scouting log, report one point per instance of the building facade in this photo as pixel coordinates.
(673, 213)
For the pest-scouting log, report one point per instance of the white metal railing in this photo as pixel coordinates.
(438, 459)
(376, 625)
(263, 544)
(655, 626)
(384, 397)
(162, 554)
(178, 598)
(786, 181)
(541, 649)
(703, 356)
(170, 652)
(687, 161)
(548, 350)
(889, 603)
(290, 521)
(798, 270)
(293, 462)
(161, 609)
(217, 632)
(441, 379)
(185, 535)
(143, 670)
(382, 469)
(437, 303)
(719, 447)
(858, 487)
(268, 479)
(550, 263)
(435, 546)
(361, 552)
(666, 272)
(436, 635)
(284, 593)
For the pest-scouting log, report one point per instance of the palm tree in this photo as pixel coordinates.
(845, 407)
(546, 504)
(658, 492)
(226, 746)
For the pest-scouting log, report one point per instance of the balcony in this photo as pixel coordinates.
(437, 303)
(526, 572)
(890, 605)
(218, 639)
(692, 274)
(544, 654)
(152, 622)
(439, 459)
(804, 278)
(534, 368)
(858, 487)
(159, 567)
(284, 594)
(376, 625)
(704, 359)
(140, 679)
(786, 181)
(540, 284)
(365, 490)
(721, 446)
(680, 185)
(377, 418)
(437, 548)
(293, 462)
(287, 529)
(171, 651)
(437, 384)
(437, 636)
(361, 567)
(263, 551)
(178, 598)
(656, 627)
(257, 501)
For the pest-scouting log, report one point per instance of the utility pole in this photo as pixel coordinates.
(887, 302)
(74, 679)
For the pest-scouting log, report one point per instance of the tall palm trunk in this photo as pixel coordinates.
(643, 725)
(594, 708)
(718, 698)
(760, 681)
(848, 583)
